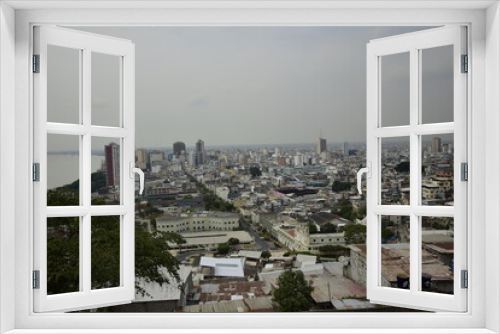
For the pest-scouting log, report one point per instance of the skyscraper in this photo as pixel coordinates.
(201, 154)
(321, 147)
(346, 149)
(141, 155)
(178, 148)
(436, 145)
(112, 156)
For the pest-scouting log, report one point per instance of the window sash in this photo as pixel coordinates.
(413, 43)
(86, 43)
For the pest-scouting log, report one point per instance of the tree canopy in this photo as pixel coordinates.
(339, 186)
(294, 292)
(265, 254)
(355, 233)
(328, 228)
(255, 171)
(63, 247)
(223, 249)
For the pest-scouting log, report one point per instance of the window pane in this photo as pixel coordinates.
(105, 247)
(105, 182)
(63, 170)
(437, 254)
(437, 170)
(395, 89)
(395, 251)
(63, 84)
(437, 84)
(63, 255)
(106, 87)
(395, 171)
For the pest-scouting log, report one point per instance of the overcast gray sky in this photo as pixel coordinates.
(258, 85)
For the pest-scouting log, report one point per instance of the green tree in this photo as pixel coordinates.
(361, 212)
(403, 167)
(347, 211)
(63, 244)
(312, 228)
(355, 233)
(255, 171)
(294, 292)
(333, 250)
(265, 254)
(387, 234)
(223, 249)
(233, 241)
(338, 186)
(328, 228)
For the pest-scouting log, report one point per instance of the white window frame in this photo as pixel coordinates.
(483, 20)
(413, 44)
(124, 132)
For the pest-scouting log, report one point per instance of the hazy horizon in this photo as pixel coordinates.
(250, 85)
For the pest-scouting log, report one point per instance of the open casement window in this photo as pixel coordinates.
(417, 216)
(69, 117)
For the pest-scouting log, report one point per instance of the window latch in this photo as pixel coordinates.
(135, 170)
(368, 171)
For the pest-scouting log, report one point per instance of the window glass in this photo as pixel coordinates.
(437, 170)
(437, 254)
(395, 82)
(63, 170)
(106, 89)
(437, 84)
(63, 255)
(63, 84)
(395, 171)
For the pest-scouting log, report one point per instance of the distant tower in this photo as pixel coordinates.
(201, 154)
(178, 148)
(112, 155)
(346, 149)
(321, 147)
(142, 155)
(436, 145)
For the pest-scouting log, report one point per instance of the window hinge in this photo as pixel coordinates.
(36, 63)
(464, 171)
(465, 279)
(36, 172)
(36, 279)
(465, 63)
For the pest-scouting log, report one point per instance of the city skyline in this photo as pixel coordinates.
(253, 85)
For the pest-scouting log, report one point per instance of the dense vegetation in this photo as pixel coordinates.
(293, 293)
(63, 248)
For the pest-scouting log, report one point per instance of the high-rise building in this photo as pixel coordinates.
(178, 148)
(141, 155)
(201, 154)
(346, 149)
(321, 147)
(112, 156)
(155, 156)
(436, 145)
